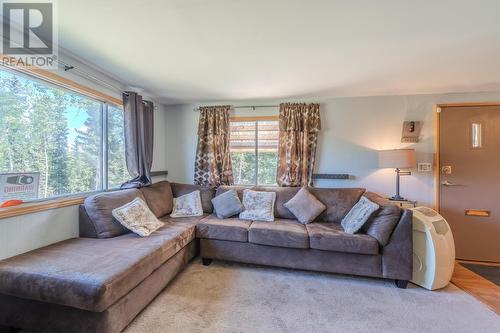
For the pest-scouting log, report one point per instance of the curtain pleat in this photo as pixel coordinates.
(213, 160)
(139, 134)
(299, 127)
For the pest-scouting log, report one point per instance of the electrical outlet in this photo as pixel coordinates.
(424, 167)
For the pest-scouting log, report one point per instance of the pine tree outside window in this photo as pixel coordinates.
(74, 143)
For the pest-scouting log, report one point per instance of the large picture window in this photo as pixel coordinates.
(254, 150)
(69, 143)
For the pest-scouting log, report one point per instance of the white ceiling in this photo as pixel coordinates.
(196, 50)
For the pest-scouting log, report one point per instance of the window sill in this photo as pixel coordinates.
(34, 207)
(42, 205)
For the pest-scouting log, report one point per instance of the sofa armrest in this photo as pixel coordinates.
(397, 255)
(85, 226)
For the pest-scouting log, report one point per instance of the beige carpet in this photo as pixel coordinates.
(238, 298)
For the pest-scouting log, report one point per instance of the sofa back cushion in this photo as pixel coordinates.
(159, 198)
(99, 206)
(382, 222)
(283, 195)
(238, 188)
(206, 193)
(338, 202)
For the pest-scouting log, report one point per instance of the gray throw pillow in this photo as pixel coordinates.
(382, 223)
(305, 206)
(358, 215)
(227, 204)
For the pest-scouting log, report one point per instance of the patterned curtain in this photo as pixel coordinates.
(213, 161)
(299, 127)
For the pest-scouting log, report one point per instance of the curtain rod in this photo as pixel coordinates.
(67, 67)
(77, 71)
(81, 73)
(71, 68)
(246, 107)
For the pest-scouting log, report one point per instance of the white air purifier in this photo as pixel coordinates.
(433, 249)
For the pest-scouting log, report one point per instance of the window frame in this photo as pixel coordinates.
(58, 82)
(255, 119)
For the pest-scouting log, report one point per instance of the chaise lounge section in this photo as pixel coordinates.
(100, 281)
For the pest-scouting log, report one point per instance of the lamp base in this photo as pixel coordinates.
(398, 198)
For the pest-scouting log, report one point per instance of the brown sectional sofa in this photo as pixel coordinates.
(102, 280)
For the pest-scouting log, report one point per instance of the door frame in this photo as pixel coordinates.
(437, 121)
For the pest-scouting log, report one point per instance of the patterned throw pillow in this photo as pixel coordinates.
(259, 206)
(188, 205)
(227, 204)
(137, 217)
(305, 206)
(358, 215)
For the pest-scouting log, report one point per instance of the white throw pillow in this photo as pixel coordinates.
(137, 217)
(259, 206)
(358, 215)
(188, 205)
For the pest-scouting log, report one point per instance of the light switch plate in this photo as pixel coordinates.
(424, 167)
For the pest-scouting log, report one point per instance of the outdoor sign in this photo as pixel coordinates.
(19, 186)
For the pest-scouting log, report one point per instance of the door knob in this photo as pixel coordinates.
(447, 183)
(446, 170)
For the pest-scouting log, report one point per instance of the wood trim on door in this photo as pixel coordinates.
(437, 119)
(454, 105)
(437, 173)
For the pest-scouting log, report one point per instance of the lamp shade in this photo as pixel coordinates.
(397, 158)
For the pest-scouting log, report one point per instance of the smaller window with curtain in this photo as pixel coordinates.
(254, 150)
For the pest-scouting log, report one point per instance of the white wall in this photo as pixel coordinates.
(27, 232)
(160, 137)
(353, 130)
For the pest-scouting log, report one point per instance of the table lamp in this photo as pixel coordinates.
(398, 159)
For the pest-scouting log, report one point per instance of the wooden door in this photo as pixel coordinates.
(469, 193)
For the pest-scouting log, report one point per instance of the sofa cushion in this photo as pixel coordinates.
(88, 273)
(159, 198)
(281, 232)
(99, 207)
(382, 222)
(231, 229)
(191, 220)
(331, 237)
(338, 202)
(305, 206)
(227, 204)
(206, 193)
